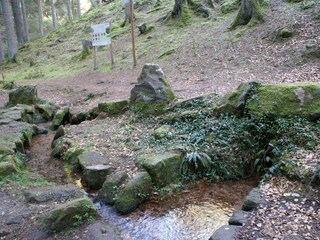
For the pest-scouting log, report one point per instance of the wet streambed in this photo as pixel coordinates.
(193, 213)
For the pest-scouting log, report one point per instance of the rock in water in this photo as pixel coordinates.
(152, 90)
(134, 192)
(226, 232)
(23, 95)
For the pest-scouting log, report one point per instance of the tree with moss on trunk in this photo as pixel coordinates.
(250, 11)
(8, 23)
(18, 21)
(195, 6)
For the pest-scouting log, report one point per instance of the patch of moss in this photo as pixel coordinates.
(307, 5)
(228, 6)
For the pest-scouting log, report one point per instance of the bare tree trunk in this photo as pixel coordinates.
(249, 10)
(54, 15)
(24, 18)
(1, 48)
(40, 17)
(78, 8)
(11, 37)
(177, 9)
(69, 9)
(17, 17)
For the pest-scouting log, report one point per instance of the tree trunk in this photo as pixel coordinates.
(54, 15)
(11, 38)
(177, 9)
(249, 10)
(40, 17)
(69, 10)
(1, 48)
(78, 8)
(24, 18)
(17, 17)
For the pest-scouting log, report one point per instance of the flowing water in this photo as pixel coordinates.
(195, 213)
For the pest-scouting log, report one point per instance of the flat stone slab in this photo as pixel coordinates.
(92, 158)
(226, 232)
(53, 193)
(94, 176)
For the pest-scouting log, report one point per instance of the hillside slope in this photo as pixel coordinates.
(199, 58)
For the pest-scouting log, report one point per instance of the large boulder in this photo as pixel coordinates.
(23, 95)
(53, 193)
(164, 168)
(283, 100)
(152, 93)
(70, 215)
(111, 186)
(95, 169)
(134, 192)
(113, 107)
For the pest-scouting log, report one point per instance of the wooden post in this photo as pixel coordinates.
(111, 49)
(94, 58)
(132, 34)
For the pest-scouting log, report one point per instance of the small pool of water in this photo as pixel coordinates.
(193, 213)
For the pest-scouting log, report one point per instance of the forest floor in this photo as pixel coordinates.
(205, 58)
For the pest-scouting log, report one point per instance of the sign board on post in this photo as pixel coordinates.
(100, 37)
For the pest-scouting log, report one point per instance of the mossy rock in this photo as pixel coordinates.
(60, 146)
(70, 215)
(71, 157)
(61, 116)
(95, 175)
(285, 33)
(7, 168)
(111, 186)
(113, 107)
(45, 108)
(152, 94)
(60, 193)
(164, 168)
(284, 100)
(133, 193)
(229, 6)
(23, 95)
(162, 132)
(235, 101)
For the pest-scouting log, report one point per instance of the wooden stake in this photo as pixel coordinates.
(94, 58)
(111, 49)
(132, 34)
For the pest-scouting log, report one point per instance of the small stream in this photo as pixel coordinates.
(193, 214)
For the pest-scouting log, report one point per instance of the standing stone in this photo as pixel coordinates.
(60, 117)
(152, 88)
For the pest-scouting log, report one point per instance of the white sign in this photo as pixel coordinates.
(100, 35)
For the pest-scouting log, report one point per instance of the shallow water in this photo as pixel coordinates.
(194, 213)
(195, 222)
